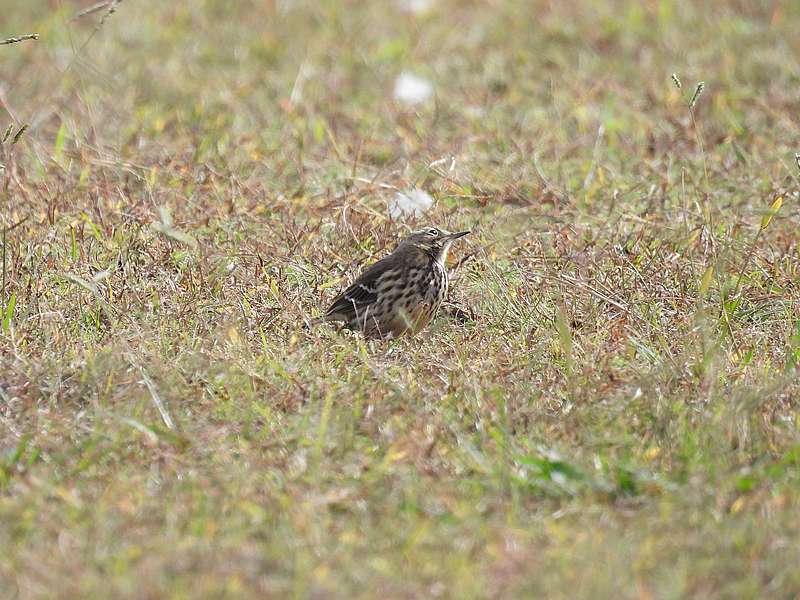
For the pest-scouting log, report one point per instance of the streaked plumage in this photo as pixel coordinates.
(400, 293)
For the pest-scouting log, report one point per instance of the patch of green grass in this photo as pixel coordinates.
(606, 408)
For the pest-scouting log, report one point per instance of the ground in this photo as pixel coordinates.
(608, 407)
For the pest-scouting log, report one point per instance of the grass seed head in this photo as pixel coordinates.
(19, 133)
(697, 93)
(9, 129)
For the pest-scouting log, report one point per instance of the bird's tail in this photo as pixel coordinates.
(311, 323)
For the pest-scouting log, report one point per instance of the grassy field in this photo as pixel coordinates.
(607, 408)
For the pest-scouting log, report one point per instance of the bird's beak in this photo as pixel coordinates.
(455, 236)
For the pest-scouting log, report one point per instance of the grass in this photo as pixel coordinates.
(613, 412)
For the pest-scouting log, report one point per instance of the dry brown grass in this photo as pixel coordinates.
(610, 407)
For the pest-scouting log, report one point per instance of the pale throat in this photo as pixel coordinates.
(442, 257)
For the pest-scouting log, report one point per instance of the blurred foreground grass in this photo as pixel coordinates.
(619, 418)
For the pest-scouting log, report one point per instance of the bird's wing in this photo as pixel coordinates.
(361, 293)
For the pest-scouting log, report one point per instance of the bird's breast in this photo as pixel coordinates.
(436, 284)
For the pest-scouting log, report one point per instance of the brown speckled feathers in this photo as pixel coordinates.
(400, 293)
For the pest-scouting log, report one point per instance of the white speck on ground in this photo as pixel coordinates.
(411, 203)
(411, 89)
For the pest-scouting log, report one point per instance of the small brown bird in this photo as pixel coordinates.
(400, 293)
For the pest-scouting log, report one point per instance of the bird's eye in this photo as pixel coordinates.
(433, 232)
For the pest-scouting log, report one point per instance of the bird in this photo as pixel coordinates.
(400, 293)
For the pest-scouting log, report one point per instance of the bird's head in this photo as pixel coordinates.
(432, 241)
